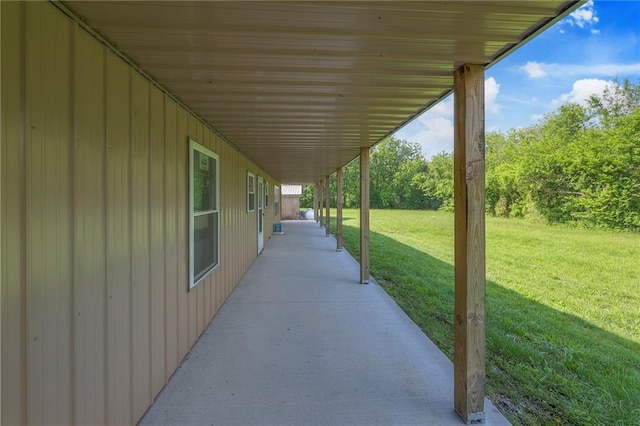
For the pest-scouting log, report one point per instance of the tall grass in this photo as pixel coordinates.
(563, 310)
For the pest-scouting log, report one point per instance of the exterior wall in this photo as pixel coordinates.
(95, 308)
(290, 206)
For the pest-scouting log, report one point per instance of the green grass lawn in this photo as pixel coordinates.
(563, 310)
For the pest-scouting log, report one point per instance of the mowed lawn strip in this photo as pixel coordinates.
(563, 310)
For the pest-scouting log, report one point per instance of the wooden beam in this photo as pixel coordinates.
(327, 191)
(320, 198)
(315, 202)
(470, 282)
(364, 216)
(339, 209)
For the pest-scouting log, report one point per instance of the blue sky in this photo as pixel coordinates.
(577, 57)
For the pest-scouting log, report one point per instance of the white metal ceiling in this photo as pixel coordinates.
(299, 87)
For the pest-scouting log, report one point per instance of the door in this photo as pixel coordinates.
(260, 214)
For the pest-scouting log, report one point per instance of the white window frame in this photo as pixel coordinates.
(194, 146)
(276, 201)
(251, 191)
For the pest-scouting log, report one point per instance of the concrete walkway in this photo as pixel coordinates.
(300, 342)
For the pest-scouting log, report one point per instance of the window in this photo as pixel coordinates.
(276, 201)
(266, 194)
(204, 220)
(251, 192)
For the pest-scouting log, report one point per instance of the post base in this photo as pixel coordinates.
(474, 418)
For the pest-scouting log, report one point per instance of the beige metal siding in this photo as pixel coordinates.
(96, 312)
(118, 207)
(89, 231)
(182, 224)
(13, 222)
(157, 240)
(49, 234)
(140, 245)
(171, 246)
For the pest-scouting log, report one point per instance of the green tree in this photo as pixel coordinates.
(617, 100)
(579, 165)
(437, 187)
(351, 184)
(306, 199)
(387, 159)
(605, 167)
(408, 181)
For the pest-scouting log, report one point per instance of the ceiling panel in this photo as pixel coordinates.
(299, 87)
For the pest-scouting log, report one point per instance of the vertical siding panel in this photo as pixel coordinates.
(228, 209)
(232, 180)
(232, 258)
(140, 339)
(209, 290)
(204, 292)
(201, 293)
(239, 217)
(232, 176)
(223, 221)
(215, 146)
(12, 203)
(224, 218)
(89, 231)
(64, 236)
(35, 186)
(239, 220)
(171, 236)
(245, 222)
(220, 272)
(230, 188)
(194, 294)
(182, 253)
(219, 277)
(118, 86)
(57, 202)
(157, 241)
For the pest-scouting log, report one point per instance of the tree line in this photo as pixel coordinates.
(579, 165)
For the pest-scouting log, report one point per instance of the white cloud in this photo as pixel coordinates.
(491, 89)
(585, 16)
(537, 117)
(582, 91)
(539, 69)
(433, 130)
(534, 69)
(436, 135)
(443, 108)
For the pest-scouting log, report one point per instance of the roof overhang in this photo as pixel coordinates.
(299, 87)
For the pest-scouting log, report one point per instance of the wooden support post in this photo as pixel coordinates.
(364, 216)
(315, 202)
(339, 209)
(470, 282)
(320, 209)
(327, 191)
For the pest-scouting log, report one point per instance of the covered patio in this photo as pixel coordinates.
(144, 146)
(299, 341)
